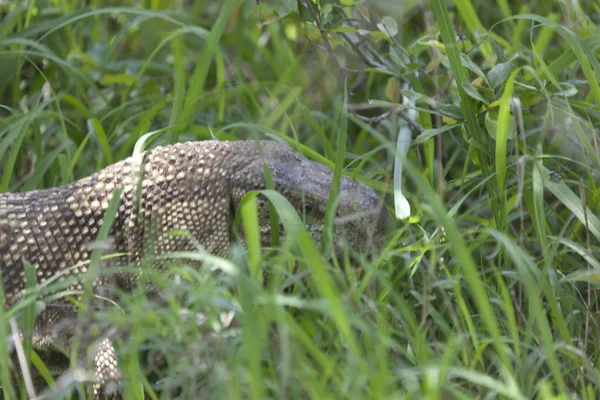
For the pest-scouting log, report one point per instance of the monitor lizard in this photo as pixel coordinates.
(194, 187)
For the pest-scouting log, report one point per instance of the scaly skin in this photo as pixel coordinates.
(194, 186)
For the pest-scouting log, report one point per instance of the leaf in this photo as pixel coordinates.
(587, 59)
(429, 133)
(502, 132)
(583, 276)
(499, 73)
(498, 50)
(42, 166)
(573, 202)
(326, 9)
(8, 69)
(568, 90)
(491, 125)
(452, 111)
(119, 79)
(392, 89)
(196, 85)
(470, 65)
(472, 92)
(284, 7)
(334, 190)
(388, 26)
(96, 127)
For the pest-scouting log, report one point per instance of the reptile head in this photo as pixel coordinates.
(361, 218)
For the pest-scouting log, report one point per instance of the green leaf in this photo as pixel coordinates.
(468, 266)
(585, 55)
(94, 126)
(491, 125)
(470, 65)
(334, 190)
(388, 26)
(573, 202)
(569, 90)
(473, 92)
(429, 133)
(252, 234)
(42, 167)
(499, 73)
(501, 145)
(119, 79)
(284, 7)
(15, 137)
(204, 60)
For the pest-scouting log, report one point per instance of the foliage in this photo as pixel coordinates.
(488, 290)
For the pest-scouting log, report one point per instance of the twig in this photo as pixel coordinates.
(325, 39)
(356, 47)
(365, 106)
(380, 61)
(373, 120)
(370, 62)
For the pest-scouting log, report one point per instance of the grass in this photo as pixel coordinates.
(488, 290)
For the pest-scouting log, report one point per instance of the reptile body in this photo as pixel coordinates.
(195, 187)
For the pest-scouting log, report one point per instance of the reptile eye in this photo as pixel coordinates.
(308, 208)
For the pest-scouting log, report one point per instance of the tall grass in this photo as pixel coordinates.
(488, 290)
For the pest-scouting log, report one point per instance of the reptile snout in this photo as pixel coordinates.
(363, 220)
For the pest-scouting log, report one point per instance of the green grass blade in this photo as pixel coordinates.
(204, 61)
(525, 265)
(179, 79)
(42, 167)
(16, 138)
(95, 127)
(474, 25)
(586, 57)
(568, 57)
(467, 264)
(503, 129)
(252, 234)
(334, 190)
(468, 110)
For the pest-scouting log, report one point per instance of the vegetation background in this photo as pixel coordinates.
(488, 290)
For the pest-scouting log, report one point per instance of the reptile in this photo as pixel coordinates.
(195, 187)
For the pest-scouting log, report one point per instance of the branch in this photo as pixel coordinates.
(324, 36)
(373, 120)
